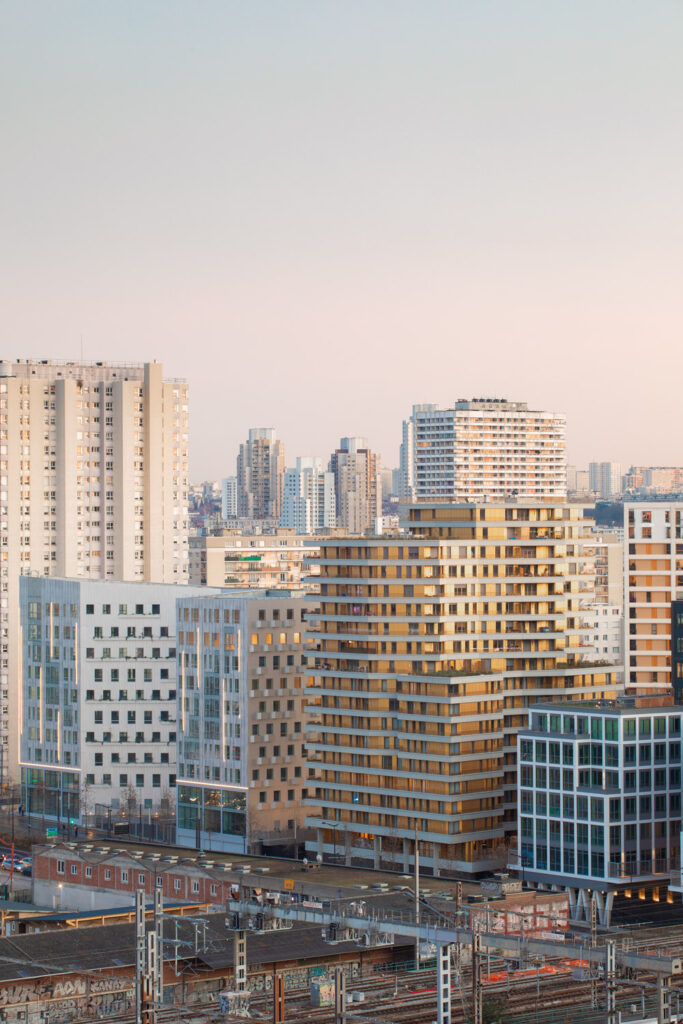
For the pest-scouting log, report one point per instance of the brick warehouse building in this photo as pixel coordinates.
(90, 972)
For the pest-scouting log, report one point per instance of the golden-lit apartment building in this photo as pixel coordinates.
(654, 596)
(430, 648)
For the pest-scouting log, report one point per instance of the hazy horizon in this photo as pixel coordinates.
(321, 214)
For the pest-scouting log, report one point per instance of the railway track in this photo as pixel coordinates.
(410, 998)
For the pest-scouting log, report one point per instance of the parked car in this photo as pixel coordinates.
(7, 862)
(25, 866)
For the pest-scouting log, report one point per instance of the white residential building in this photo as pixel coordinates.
(242, 771)
(607, 622)
(229, 497)
(98, 697)
(309, 501)
(606, 614)
(93, 464)
(483, 450)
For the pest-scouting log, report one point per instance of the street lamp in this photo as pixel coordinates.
(333, 826)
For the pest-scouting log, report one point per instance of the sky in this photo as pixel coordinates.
(323, 213)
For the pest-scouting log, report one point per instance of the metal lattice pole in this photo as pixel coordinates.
(339, 995)
(140, 952)
(149, 1014)
(443, 984)
(240, 961)
(158, 975)
(476, 978)
(594, 934)
(663, 999)
(611, 1016)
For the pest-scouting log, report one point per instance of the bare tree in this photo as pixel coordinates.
(130, 799)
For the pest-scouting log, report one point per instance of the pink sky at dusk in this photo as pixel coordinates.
(323, 213)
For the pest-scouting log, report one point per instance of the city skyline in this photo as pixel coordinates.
(464, 200)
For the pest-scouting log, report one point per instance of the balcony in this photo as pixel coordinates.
(637, 870)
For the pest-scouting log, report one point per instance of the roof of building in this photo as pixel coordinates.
(109, 947)
(327, 881)
(621, 706)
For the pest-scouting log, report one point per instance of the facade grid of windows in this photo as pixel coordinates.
(599, 792)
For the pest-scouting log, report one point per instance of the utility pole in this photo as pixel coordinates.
(140, 952)
(443, 984)
(611, 1016)
(339, 995)
(594, 935)
(663, 999)
(278, 999)
(11, 867)
(476, 978)
(149, 959)
(158, 976)
(417, 898)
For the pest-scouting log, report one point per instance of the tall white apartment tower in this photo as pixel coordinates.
(229, 497)
(309, 501)
(483, 450)
(407, 476)
(93, 484)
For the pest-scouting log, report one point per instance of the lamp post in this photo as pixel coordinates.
(333, 826)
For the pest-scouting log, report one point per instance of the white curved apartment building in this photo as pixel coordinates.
(483, 450)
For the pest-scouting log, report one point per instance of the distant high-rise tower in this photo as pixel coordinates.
(229, 497)
(93, 459)
(358, 488)
(483, 450)
(309, 501)
(260, 475)
(605, 479)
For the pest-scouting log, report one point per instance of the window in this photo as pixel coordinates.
(74, 869)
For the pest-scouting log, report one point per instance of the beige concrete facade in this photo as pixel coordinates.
(93, 484)
(242, 761)
(260, 475)
(429, 648)
(654, 580)
(358, 485)
(230, 558)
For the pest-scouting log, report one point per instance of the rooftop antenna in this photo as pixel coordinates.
(81, 348)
